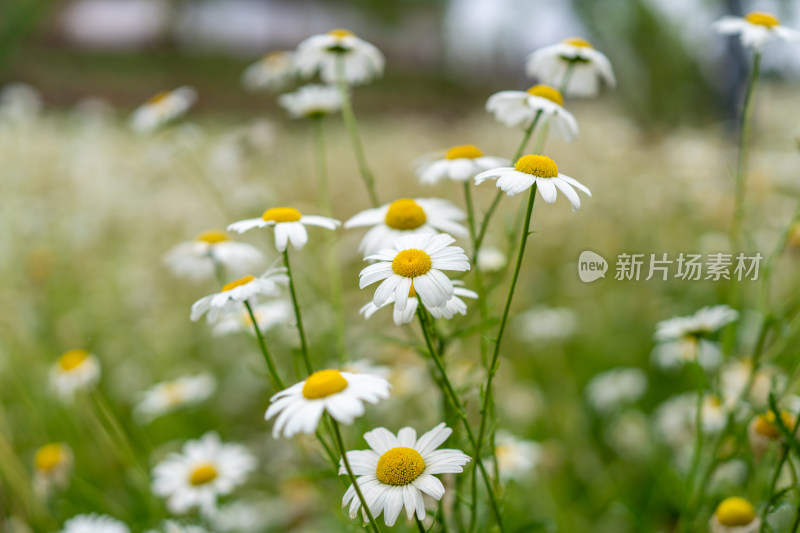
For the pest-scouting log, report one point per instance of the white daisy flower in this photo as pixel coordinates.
(363, 62)
(238, 292)
(756, 29)
(610, 390)
(205, 470)
(451, 308)
(546, 324)
(520, 108)
(763, 430)
(196, 259)
(272, 72)
(341, 394)
(516, 458)
(312, 101)
(94, 523)
(704, 322)
(539, 170)
(734, 515)
(589, 68)
(75, 370)
(289, 223)
(397, 470)
(268, 316)
(52, 466)
(418, 259)
(673, 354)
(491, 259)
(460, 163)
(162, 108)
(172, 395)
(684, 339)
(735, 376)
(405, 216)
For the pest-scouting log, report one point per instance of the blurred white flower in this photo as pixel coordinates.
(756, 29)
(289, 224)
(628, 433)
(460, 163)
(735, 375)
(576, 58)
(238, 292)
(516, 458)
(491, 259)
(242, 516)
(198, 260)
(172, 526)
(272, 72)
(704, 322)
(546, 324)
(172, 395)
(455, 305)
(268, 316)
(676, 418)
(683, 339)
(367, 366)
(75, 370)
(52, 466)
(311, 101)
(734, 515)
(361, 61)
(670, 355)
(520, 108)
(616, 388)
(19, 102)
(162, 108)
(94, 523)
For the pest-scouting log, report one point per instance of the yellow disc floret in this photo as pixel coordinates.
(411, 263)
(48, 457)
(399, 466)
(72, 359)
(766, 424)
(338, 32)
(323, 383)
(759, 18)
(282, 214)
(203, 474)
(735, 512)
(212, 236)
(578, 41)
(238, 283)
(159, 97)
(547, 92)
(464, 151)
(538, 165)
(405, 214)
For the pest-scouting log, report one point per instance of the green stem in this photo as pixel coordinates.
(320, 167)
(420, 526)
(273, 371)
(298, 317)
(562, 88)
(480, 287)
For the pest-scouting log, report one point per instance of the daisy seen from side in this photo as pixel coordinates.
(198, 260)
(756, 29)
(162, 108)
(520, 109)
(235, 293)
(289, 225)
(458, 163)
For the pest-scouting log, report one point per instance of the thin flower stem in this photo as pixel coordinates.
(273, 371)
(777, 473)
(698, 445)
(420, 526)
(298, 317)
(483, 305)
(340, 443)
(562, 87)
(219, 268)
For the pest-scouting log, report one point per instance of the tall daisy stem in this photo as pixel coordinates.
(297, 315)
(273, 371)
(483, 305)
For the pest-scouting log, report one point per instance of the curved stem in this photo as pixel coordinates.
(273, 371)
(297, 315)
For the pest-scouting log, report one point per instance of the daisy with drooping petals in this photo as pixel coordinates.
(94, 523)
(238, 292)
(289, 224)
(586, 68)
(756, 29)
(539, 170)
(172, 395)
(734, 515)
(268, 315)
(360, 61)
(405, 216)
(688, 338)
(198, 259)
(520, 108)
(460, 163)
(451, 308)
(162, 108)
(75, 370)
(52, 465)
(340, 394)
(205, 470)
(272, 72)
(418, 259)
(397, 470)
(312, 101)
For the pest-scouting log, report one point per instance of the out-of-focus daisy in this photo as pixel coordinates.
(546, 324)
(312, 101)
(205, 470)
(460, 163)
(586, 67)
(238, 292)
(367, 366)
(268, 316)
(676, 418)
(686, 338)
(272, 72)
(763, 430)
(539, 170)
(289, 223)
(171, 526)
(94, 523)
(418, 259)
(735, 375)
(75, 370)
(451, 308)
(491, 259)
(520, 108)
(756, 29)
(704, 322)
(362, 62)
(196, 259)
(516, 458)
(735, 515)
(162, 108)
(172, 395)
(19, 102)
(397, 470)
(340, 394)
(52, 465)
(406, 216)
(610, 390)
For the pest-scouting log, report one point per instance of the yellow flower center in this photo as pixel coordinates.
(238, 283)
(579, 42)
(174, 393)
(765, 424)
(538, 165)
(411, 263)
(759, 18)
(341, 33)
(735, 512)
(202, 474)
(464, 151)
(72, 359)
(399, 466)
(159, 97)
(405, 214)
(545, 91)
(323, 383)
(48, 457)
(282, 214)
(275, 58)
(213, 236)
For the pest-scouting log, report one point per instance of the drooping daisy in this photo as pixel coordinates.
(704, 322)
(340, 394)
(94, 523)
(539, 170)
(451, 308)
(75, 370)
(162, 108)
(268, 316)
(172, 395)
(520, 108)
(406, 216)
(756, 29)
(418, 259)
(273, 72)
(205, 470)
(687, 338)
(734, 515)
(460, 163)
(312, 101)
(289, 224)
(397, 470)
(516, 458)
(196, 259)
(610, 390)
(52, 465)
(237, 292)
(362, 62)
(588, 68)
